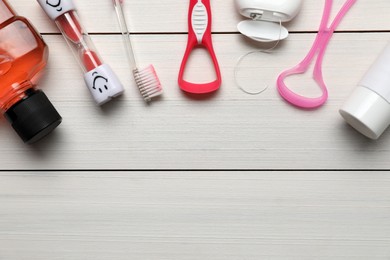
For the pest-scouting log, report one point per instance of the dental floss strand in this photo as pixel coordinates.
(242, 58)
(261, 26)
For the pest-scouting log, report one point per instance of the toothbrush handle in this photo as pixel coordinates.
(199, 35)
(125, 32)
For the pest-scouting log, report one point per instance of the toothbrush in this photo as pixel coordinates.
(146, 79)
(99, 77)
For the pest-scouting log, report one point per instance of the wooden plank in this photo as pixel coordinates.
(194, 215)
(230, 130)
(171, 16)
(186, 215)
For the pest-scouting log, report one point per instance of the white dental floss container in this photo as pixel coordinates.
(265, 18)
(368, 108)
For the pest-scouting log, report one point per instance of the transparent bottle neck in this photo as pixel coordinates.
(15, 94)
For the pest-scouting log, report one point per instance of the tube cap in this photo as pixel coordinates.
(367, 112)
(33, 117)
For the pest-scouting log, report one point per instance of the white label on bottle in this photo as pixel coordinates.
(56, 8)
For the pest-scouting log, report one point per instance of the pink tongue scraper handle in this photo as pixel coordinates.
(323, 37)
(199, 34)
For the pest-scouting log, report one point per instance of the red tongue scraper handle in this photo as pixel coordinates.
(199, 35)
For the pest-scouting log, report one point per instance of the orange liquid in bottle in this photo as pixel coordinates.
(23, 56)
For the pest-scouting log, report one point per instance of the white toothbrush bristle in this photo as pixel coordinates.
(148, 83)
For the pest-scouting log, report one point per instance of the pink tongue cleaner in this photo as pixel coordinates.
(73, 31)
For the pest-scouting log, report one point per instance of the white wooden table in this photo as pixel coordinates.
(229, 177)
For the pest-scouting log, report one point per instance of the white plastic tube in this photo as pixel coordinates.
(368, 108)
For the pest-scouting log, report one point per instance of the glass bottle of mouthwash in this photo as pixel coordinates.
(23, 57)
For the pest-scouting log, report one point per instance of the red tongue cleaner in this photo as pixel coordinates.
(74, 32)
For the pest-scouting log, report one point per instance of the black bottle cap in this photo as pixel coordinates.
(33, 117)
